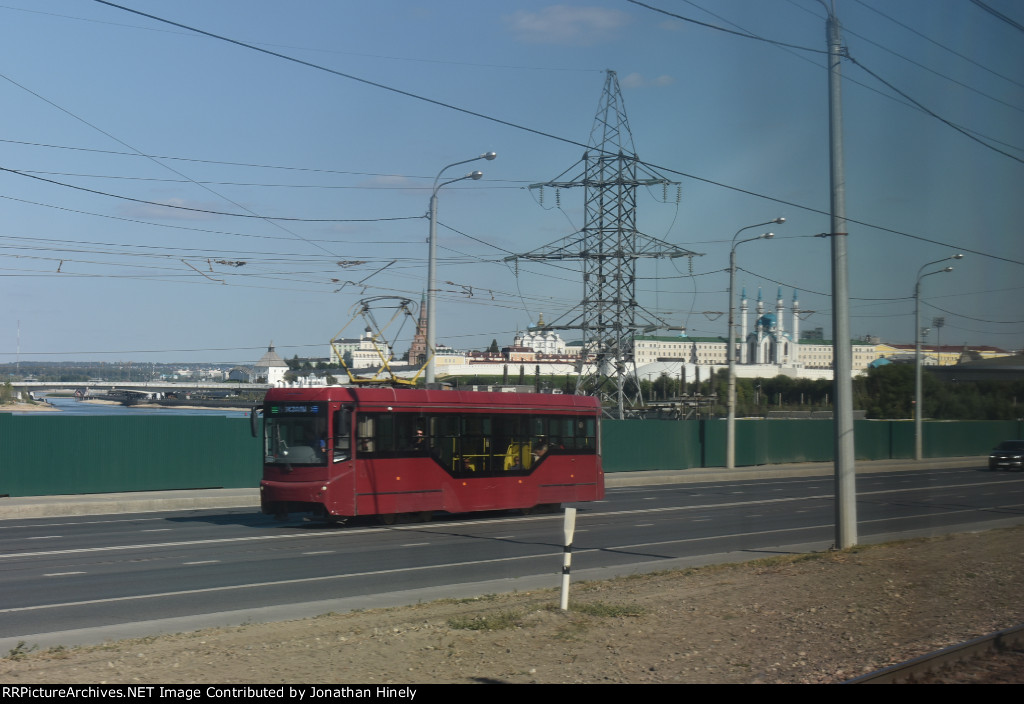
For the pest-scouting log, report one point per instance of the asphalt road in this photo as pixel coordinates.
(76, 579)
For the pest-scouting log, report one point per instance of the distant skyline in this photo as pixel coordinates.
(171, 196)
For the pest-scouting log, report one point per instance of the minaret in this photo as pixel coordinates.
(780, 340)
(743, 326)
(759, 328)
(795, 357)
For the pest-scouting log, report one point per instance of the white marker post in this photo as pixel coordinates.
(568, 528)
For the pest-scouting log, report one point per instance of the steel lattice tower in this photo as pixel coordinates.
(609, 247)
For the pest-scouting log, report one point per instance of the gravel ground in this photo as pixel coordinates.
(803, 619)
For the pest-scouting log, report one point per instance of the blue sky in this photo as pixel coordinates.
(120, 113)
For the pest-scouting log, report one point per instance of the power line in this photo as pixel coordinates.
(162, 165)
(995, 13)
(349, 76)
(745, 35)
(933, 71)
(202, 210)
(188, 228)
(932, 113)
(939, 44)
(573, 142)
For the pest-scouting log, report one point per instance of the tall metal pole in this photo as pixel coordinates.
(730, 428)
(918, 444)
(918, 394)
(842, 352)
(432, 289)
(432, 263)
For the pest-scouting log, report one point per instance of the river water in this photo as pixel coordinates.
(70, 406)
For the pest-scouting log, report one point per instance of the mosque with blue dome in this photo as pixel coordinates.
(769, 342)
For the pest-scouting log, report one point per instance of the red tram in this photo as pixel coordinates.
(353, 451)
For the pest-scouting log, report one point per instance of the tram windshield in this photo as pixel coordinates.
(295, 433)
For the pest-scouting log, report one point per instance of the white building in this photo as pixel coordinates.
(270, 367)
(370, 352)
(546, 342)
(765, 348)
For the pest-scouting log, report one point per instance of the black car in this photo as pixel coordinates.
(1007, 455)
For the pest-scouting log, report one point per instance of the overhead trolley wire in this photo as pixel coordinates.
(556, 137)
(254, 216)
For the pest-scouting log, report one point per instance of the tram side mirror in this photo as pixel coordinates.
(253, 419)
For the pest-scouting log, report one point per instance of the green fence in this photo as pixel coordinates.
(51, 454)
(631, 445)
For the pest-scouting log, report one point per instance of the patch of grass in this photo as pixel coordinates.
(20, 651)
(601, 609)
(573, 630)
(468, 599)
(503, 620)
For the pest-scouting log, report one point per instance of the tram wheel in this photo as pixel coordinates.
(424, 516)
(387, 519)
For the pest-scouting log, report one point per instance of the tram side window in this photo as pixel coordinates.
(390, 434)
(443, 438)
(342, 434)
(511, 444)
(542, 436)
(586, 434)
(475, 447)
(410, 437)
(472, 444)
(365, 427)
(563, 433)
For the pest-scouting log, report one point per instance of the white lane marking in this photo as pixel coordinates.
(61, 574)
(423, 568)
(485, 521)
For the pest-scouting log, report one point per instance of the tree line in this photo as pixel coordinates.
(884, 393)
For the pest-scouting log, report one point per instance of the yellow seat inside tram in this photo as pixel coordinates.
(518, 456)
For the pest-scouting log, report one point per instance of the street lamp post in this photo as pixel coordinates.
(730, 434)
(432, 264)
(918, 395)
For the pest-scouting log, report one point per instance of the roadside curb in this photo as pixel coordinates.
(246, 498)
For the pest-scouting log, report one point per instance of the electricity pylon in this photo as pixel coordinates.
(609, 247)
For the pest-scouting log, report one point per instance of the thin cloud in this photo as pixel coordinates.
(393, 182)
(566, 25)
(636, 80)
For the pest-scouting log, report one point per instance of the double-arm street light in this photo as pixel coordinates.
(730, 439)
(918, 403)
(432, 265)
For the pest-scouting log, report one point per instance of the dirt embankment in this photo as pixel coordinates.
(802, 619)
